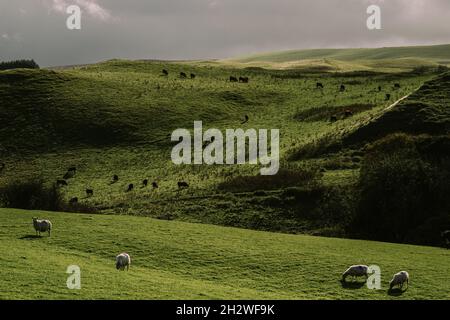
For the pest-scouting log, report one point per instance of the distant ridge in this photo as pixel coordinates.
(435, 53)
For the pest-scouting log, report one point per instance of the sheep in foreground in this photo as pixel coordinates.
(123, 260)
(356, 271)
(42, 226)
(399, 280)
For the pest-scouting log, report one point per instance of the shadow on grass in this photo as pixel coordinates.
(352, 285)
(30, 237)
(396, 292)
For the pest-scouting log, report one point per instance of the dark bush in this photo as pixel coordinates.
(400, 191)
(28, 64)
(31, 195)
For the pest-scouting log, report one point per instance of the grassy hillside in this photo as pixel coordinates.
(175, 260)
(389, 58)
(116, 118)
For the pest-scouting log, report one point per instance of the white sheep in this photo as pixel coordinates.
(42, 226)
(399, 279)
(123, 260)
(356, 271)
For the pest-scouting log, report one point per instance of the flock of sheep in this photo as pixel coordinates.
(123, 261)
(399, 280)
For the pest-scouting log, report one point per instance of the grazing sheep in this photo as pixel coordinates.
(123, 260)
(388, 96)
(182, 184)
(399, 280)
(165, 72)
(342, 88)
(446, 237)
(243, 79)
(192, 76)
(130, 187)
(89, 192)
(183, 75)
(145, 182)
(233, 79)
(319, 85)
(42, 226)
(61, 183)
(154, 185)
(73, 200)
(356, 271)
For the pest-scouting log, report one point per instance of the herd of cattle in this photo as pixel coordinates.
(115, 178)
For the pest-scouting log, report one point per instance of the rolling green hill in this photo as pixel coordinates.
(175, 260)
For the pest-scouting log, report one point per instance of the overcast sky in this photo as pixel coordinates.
(204, 29)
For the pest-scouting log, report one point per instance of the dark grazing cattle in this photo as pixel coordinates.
(145, 182)
(243, 79)
(333, 119)
(348, 113)
(89, 192)
(154, 185)
(115, 178)
(61, 183)
(73, 200)
(183, 75)
(388, 96)
(397, 86)
(130, 187)
(192, 76)
(165, 72)
(446, 238)
(319, 85)
(342, 88)
(182, 184)
(233, 79)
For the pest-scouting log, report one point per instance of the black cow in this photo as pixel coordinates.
(233, 79)
(145, 182)
(388, 96)
(379, 88)
(192, 76)
(243, 79)
(319, 85)
(61, 183)
(130, 187)
(115, 178)
(446, 237)
(183, 75)
(154, 185)
(348, 113)
(89, 192)
(165, 72)
(182, 184)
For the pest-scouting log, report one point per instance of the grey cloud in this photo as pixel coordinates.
(198, 29)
